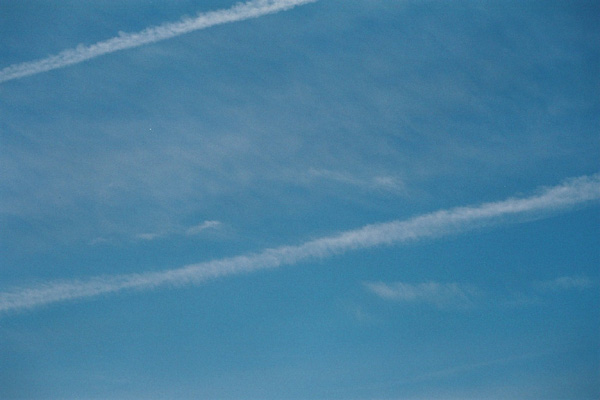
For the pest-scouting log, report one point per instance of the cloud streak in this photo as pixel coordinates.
(572, 192)
(194, 230)
(389, 183)
(191, 231)
(458, 295)
(239, 12)
(565, 283)
(439, 294)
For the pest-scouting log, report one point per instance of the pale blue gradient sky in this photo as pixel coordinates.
(282, 130)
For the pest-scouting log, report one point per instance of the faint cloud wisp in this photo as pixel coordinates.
(191, 231)
(194, 230)
(387, 183)
(565, 283)
(441, 295)
(178, 231)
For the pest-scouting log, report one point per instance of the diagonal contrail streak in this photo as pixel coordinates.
(239, 12)
(571, 193)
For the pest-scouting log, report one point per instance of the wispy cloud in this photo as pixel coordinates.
(439, 294)
(190, 231)
(455, 295)
(194, 230)
(565, 283)
(149, 236)
(239, 12)
(572, 192)
(389, 183)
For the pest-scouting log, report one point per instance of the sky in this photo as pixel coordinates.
(298, 199)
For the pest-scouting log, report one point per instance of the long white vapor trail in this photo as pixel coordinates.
(570, 193)
(239, 12)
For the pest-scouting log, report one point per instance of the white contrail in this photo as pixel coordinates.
(239, 12)
(572, 192)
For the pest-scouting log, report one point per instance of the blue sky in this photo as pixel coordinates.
(299, 200)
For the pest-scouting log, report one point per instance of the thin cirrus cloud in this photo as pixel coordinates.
(379, 182)
(239, 12)
(570, 193)
(456, 295)
(435, 293)
(194, 230)
(191, 231)
(565, 283)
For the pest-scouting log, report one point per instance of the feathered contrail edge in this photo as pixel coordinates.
(239, 12)
(570, 193)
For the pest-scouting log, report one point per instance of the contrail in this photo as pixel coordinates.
(570, 193)
(239, 12)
